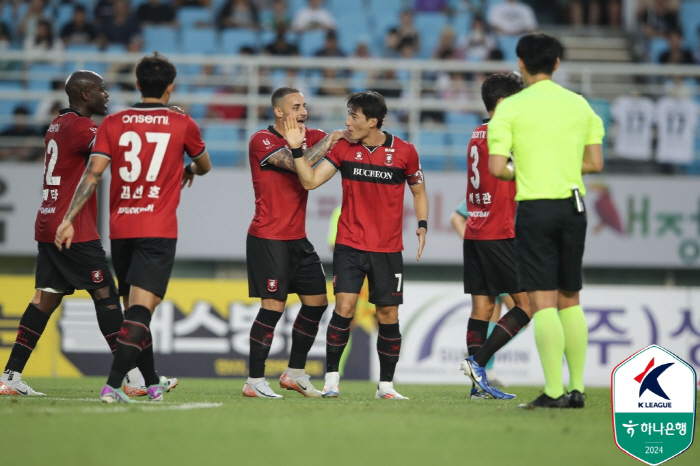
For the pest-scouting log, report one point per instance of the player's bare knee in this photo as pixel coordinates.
(314, 300)
(47, 302)
(387, 314)
(520, 300)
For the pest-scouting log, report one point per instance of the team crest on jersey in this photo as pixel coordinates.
(97, 276)
(358, 156)
(271, 285)
(389, 159)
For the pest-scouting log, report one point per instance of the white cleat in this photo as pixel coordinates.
(11, 384)
(385, 390)
(133, 390)
(302, 384)
(260, 390)
(331, 387)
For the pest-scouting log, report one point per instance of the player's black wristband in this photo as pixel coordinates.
(298, 153)
(423, 224)
(188, 169)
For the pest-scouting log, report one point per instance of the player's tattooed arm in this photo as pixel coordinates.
(87, 186)
(283, 157)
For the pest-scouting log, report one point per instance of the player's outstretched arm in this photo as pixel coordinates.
(283, 158)
(92, 175)
(310, 178)
(498, 166)
(199, 167)
(592, 159)
(420, 205)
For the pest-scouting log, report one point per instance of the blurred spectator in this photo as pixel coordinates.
(407, 50)
(478, 42)
(239, 14)
(280, 16)
(44, 113)
(512, 18)
(103, 11)
(6, 44)
(123, 75)
(155, 12)
(78, 31)
(658, 17)
(387, 84)
(43, 40)
(314, 16)
(332, 84)
(592, 12)
(122, 27)
(362, 50)
(197, 3)
(447, 47)
(430, 6)
(405, 32)
(330, 48)
(676, 54)
(30, 21)
(228, 111)
(280, 46)
(53, 112)
(20, 128)
(696, 55)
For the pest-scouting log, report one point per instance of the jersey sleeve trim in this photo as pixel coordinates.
(101, 154)
(92, 143)
(331, 162)
(198, 155)
(263, 162)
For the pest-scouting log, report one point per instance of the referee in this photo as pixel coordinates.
(555, 137)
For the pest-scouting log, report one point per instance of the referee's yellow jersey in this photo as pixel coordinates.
(547, 128)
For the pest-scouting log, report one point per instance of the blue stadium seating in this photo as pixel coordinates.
(87, 48)
(233, 39)
(462, 23)
(215, 136)
(690, 21)
(161, 38)
(429, 25)
(64, 14)
(432, 149)
(657, 46)
(507, 45)
(198, 111)
(191, 17)
(41, 75)
(199, 41)
(311, 42)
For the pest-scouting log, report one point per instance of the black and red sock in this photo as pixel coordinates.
(388, 348)
(476, 335)
(133, 338)
(261, 334)
(304, 334)
(337, 338)
(31, 325)
(508, 326)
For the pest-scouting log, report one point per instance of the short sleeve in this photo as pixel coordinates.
(462, 209)
(500, 131)
(596, 130)
(260, 148)
(413, 172)
(194, 145)
(101, 145)
(334, 156)
(316, 136)
(84, 136)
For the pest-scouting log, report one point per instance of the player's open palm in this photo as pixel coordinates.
(64, 234)
(294, 135)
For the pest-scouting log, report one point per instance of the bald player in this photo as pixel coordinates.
(84, 266)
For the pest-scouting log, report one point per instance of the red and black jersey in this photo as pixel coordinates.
(280, 199)
(68, 142)
(146, 144)
(490, 201)
(371, 218)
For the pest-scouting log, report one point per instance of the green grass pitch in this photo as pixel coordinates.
(208, 422)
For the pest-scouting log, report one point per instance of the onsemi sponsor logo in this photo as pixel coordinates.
(135, 210)
(151, 119)
(373, 173)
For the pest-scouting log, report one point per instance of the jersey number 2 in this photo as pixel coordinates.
(52, 154)
(131, 138)
(474, 153)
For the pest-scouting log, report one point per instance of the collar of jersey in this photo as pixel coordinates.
(485, 120)
(69, 110)
(274, 131)
(148, 105)
(388, 142)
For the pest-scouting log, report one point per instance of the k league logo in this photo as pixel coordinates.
(653, 400)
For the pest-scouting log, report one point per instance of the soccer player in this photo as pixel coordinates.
(489, 249)
(280, 259)
(68, 140)
(555, 136)
(145, 144)
(374, 169)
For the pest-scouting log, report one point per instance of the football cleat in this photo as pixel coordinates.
(331, 387)
(477, 394)
(260, 390)
(114, 395)
(11, 383)
(577, 399)
(156, 392)
(385, 390)
(302, 384)
(478, 376)
(142, 390)
(545, 401)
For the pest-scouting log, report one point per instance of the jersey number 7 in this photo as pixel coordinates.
(131, 138)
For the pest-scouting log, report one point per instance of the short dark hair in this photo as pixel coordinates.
(371, 103)
(155, 73)
(499, 86)
(539, 52)
(281, 93)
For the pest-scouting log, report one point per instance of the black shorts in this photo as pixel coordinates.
(384, 272)
(490, 267)
(143, 262)
(550, 237)
(82, 267)
(277, 268)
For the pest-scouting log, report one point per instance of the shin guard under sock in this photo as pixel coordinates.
(337, 338)
(304, 334)
(31, 326)
(261, 334)
(388, 348)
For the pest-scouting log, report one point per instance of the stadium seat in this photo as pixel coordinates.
(429, 25)
(41, 75)
(191, 17)
(115, 48)
(432, 150)
(507, 45)
(690, 21)
(199, 41)
(221, 141)
(462, 23)
(352, 30)
(199, 110)
(463, 121)
(161, 38)
(311, 42)
(233, 39)
(86, 48)
(64, 14)
(657, 46)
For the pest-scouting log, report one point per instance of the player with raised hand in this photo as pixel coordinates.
(145, 144)
(68, 140)
(374, 168)
(280, 259)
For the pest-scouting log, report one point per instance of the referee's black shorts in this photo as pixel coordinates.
(143, 262)
(277, 268)
(550, 237)
(490, 267)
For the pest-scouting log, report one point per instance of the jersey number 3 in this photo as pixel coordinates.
(131, 138)
(474, 154)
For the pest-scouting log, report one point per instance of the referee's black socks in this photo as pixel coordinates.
(261, 334)
(304, 334)
(388, 348)
(509, 326)
(336, 339)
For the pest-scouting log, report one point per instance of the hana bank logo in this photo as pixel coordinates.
(649, 381)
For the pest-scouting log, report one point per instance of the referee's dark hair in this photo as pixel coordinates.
(281, 93)
(155, 73)
(371, 103)
(499, 86)
(539, 52)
